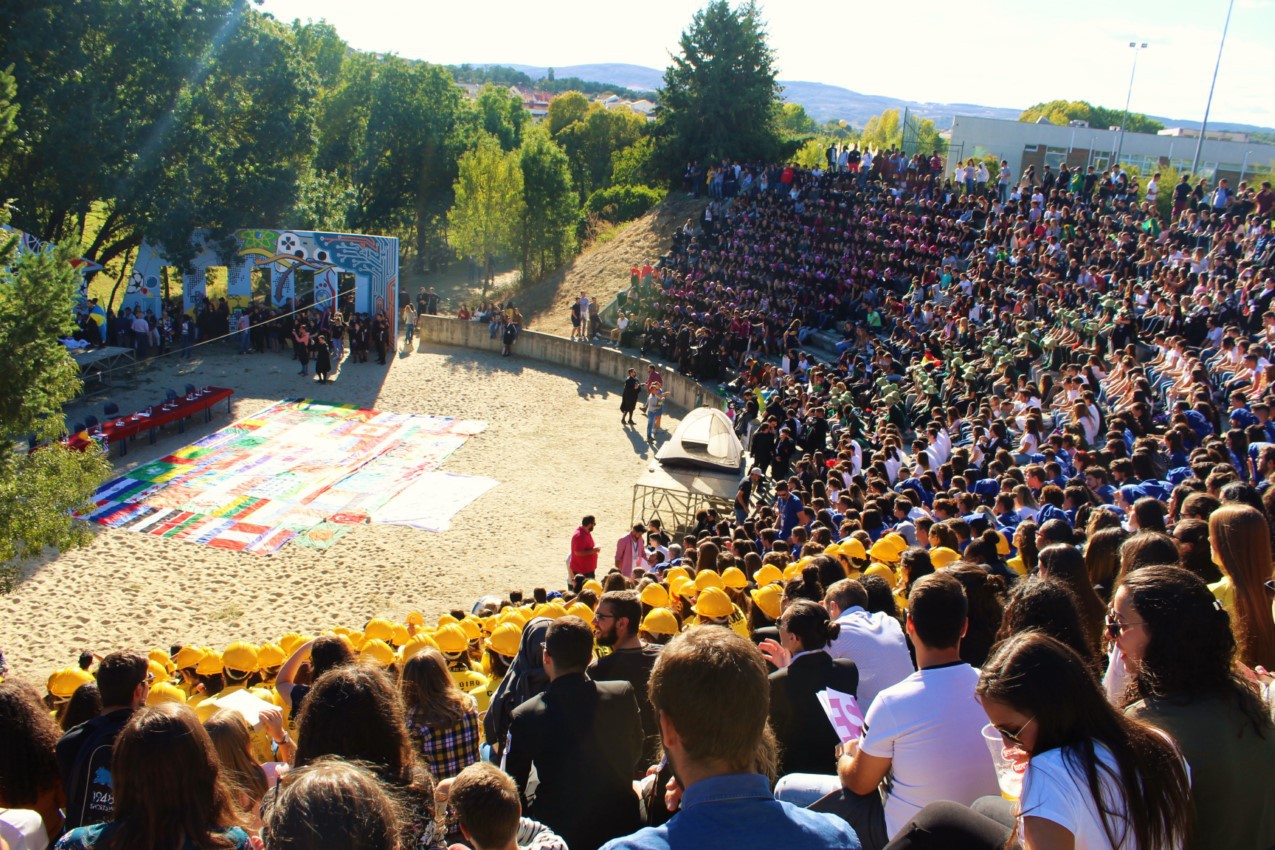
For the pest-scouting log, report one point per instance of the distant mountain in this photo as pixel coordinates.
(825, 102)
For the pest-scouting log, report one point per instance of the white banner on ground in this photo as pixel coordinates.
(432, 500)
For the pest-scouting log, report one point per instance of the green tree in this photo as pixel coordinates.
(39, 491)
(1062, 112)
(500, 114)
(794, 120)
(566, 108)
(550, 205)
(883, 131)
(485, 220)
(813, 154)
(720, 99)
(591, 142)
(635, 164)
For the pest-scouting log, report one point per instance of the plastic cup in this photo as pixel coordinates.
(1009, 774)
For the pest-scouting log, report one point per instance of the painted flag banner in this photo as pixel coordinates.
(300, 471)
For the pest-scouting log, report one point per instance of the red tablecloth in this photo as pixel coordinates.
(121, 428)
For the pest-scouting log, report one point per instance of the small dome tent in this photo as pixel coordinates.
(704, 440)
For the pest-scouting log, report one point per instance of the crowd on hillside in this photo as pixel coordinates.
(1022, 515)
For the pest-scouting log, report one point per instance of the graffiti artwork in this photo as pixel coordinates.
(368, 265)
(28, 244)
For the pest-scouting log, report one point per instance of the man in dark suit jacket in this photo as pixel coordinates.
(807, 738)
(583, 739)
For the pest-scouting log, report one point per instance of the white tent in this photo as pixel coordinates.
(705, 440)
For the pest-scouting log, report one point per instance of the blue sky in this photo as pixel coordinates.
(1007, 53)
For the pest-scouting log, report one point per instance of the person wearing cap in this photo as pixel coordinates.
(713, 607)
(711, 695)
(454, 644)
(62, 685)
(615, 626)
(584, 553)
(583, 739)
(84, 753)
(630, 554)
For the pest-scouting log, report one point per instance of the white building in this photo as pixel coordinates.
(1022, 144)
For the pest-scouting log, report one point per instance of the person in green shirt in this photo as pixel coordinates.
(1181, 657)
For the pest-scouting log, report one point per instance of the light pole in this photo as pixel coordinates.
(1204, 125)
(1137, 47)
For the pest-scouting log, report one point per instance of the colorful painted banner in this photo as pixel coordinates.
(299, 471)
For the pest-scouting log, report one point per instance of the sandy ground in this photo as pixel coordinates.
(554, 442)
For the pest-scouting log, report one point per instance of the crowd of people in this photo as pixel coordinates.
(999, 573)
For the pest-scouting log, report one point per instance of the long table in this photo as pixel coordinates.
(123, 428)
(97, 364)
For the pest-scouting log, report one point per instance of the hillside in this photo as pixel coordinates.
(603, 270)
(825, 102)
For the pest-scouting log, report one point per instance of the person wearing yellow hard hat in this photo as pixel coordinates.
(767, 605)
(714, 607)
(62, 685)
(768, 574)
(270, 657)
(454, 644)
(185, 661)
(942, 557)
(162, 692)
(653, 595)
(441, 717)
(502, 647)
(659, 626)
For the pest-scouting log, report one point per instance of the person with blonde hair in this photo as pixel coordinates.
(441, 718)
(1241, 542)
(232, 739)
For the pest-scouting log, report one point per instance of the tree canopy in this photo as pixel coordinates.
(1062, 112)
(489, 204)
(720, 100)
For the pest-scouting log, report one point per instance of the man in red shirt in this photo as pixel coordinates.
(584, 555)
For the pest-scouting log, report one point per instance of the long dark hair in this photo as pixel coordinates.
(1065, 565)
(355, 713)
(984, 592)
(168, 783)
(28, 765)
(1048, 607)
(1191, 650)
(1028, 672)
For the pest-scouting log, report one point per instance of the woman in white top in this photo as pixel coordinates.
(1095, 779)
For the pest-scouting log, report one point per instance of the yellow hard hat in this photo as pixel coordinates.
(579, 609)
(159, 656)
(884, 551)
(734, 577)
(415, 618)
(210, 664)
(452, 639)
(290, 642)
(505, 640)
(401, 635)
(654, 595)
(158, 672)
(882, 570)
(852, 547)
(447, 620)
(162, 692)
(769, 599)
(674, 572)
(241, 656)
(941, 556)
(833, 549)
(188, 656)
(682, 586)
(660, 621)
(768, 574)
(270, 655)
(705, 579)
(417, 644)
(594, 585)
(898, 541)
(378, 628)
(378, 652)
(65, 682)
(713, 602)
(472, 628)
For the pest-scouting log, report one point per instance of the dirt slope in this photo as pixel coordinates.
(603, 270)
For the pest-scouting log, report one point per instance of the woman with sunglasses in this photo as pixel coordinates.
(1095, 778)
(1180, 654)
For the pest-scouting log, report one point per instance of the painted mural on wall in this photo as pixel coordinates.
(367, 264)
(28, 244)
